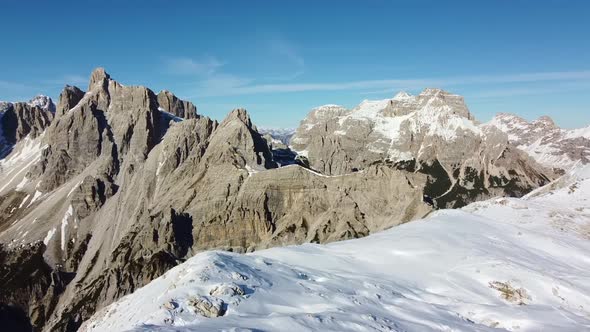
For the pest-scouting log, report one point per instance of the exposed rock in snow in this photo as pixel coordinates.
(508, 264)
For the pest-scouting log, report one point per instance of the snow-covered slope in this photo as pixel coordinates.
(14, 167)
(507, 263)
(543, 140)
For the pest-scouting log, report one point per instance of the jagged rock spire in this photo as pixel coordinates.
(69, 97)
(176, 106)
(98, 77)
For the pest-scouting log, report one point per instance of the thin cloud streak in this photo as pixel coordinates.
(286, 49)
(561, 88)
(289, 55)
(187, 66)
(15, 91)
(68, 79)
(245, 89)
(12, 85)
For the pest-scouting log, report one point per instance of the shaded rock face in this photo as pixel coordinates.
(27, 281)
(120, 194)
(68, 99)
(180, 108)
(281, 153)
(543, 140)
(21, 119)
(434, 131)
(91, 195)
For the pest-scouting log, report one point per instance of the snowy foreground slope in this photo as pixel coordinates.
(512, 264)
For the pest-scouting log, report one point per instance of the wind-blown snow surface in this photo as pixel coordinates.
(512, 264)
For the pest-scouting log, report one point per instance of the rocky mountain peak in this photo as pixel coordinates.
(68, 99)
(545, 121)
(542, 139)
(239, 114)
(402, 95)
(238, 141)
(98, 77)
(502, 116)
(328, 111)
(43, 102)
(173, 105)
(432, 92)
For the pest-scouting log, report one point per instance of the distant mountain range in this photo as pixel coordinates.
(543, 140)
(282, 135)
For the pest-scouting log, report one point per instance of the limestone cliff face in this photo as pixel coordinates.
(116, 191)
(434, 132)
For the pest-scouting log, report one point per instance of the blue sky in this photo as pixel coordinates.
(281, 58)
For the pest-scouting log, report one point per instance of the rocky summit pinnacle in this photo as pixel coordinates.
(98, 77)
(68, 99)
(173, 105)
(124, 184)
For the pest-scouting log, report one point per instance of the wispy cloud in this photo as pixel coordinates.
(210, 80)
(187, 66)
(12, 85)
(214, 84)
(14, 91)
(394, 84)
(562, 87)
(71, 79)
(287, 51)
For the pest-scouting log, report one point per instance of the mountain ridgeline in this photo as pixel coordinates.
(116, 185)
